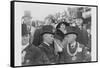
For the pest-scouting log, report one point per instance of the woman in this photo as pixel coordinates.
(61, 29)
(74, 51)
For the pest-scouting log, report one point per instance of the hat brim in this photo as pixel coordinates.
(71, 33)
(47, 33)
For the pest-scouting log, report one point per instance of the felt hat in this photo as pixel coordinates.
(47, 29)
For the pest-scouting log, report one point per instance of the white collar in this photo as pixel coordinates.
(46, 43)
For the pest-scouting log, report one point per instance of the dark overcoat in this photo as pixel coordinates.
(34, 56)
(50, 53)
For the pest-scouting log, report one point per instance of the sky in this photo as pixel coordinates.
(39, 11)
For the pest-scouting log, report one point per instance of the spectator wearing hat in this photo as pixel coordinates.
(82, 33)
(47, 43)
(27, 20)
(61, 29)
(74, 51)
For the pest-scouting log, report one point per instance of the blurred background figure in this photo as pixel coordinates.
(82, 33)
(31, 26)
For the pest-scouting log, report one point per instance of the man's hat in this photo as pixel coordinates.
(71, 32)
(47, 29)
(27, 14)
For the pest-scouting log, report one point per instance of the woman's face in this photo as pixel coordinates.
(62, 26)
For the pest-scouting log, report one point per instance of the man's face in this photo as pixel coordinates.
(70, 38)
(48, 38)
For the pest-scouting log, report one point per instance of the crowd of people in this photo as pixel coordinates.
(61, 39)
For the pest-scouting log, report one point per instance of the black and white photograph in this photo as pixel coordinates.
(53, 33)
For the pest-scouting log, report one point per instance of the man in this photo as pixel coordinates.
(27, 21)
(74, 51)
(47, 43)
(31, 55)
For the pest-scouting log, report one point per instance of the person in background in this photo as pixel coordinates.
(61, 29)
(74, 51)
(82, 33)
(27, 20)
